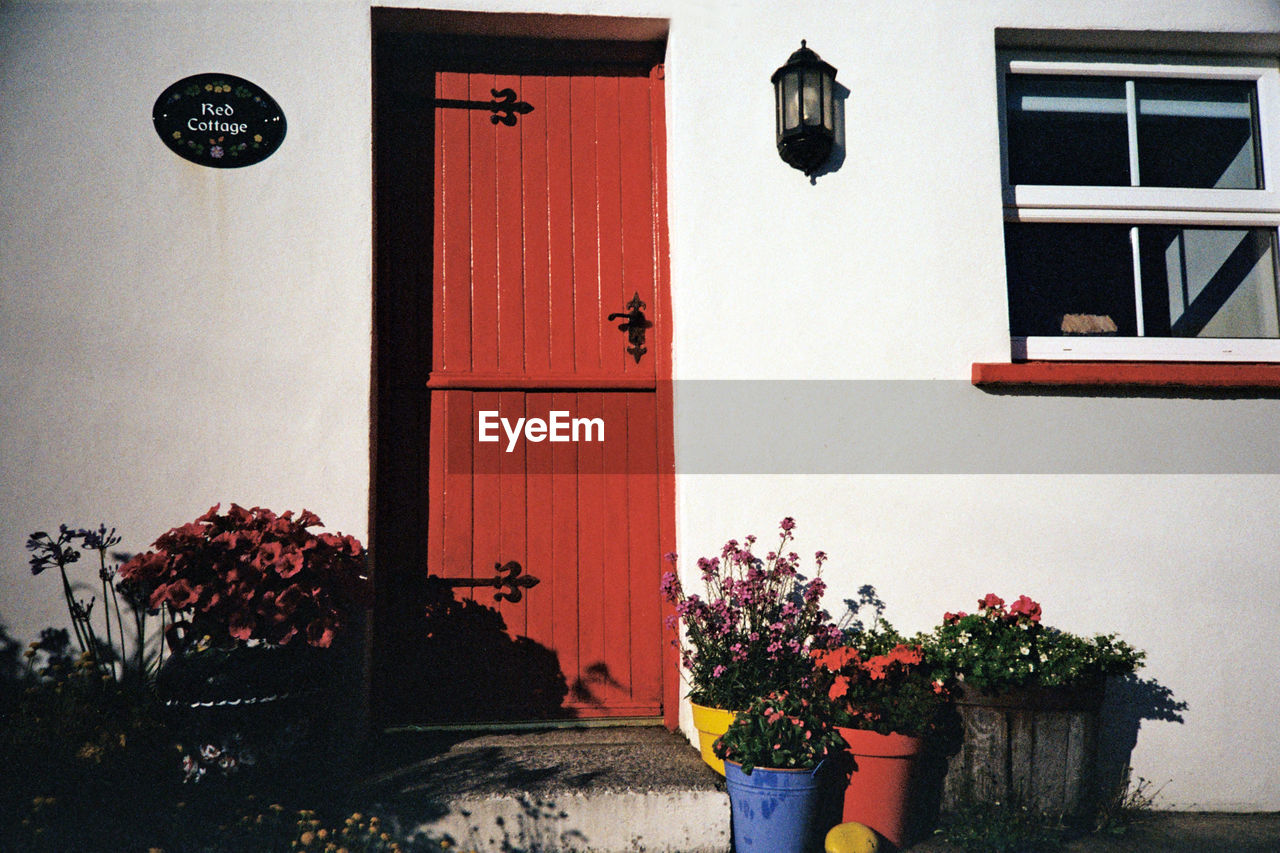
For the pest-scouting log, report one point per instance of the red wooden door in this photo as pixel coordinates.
(541, 229)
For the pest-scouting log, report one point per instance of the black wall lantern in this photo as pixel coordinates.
(805, 104)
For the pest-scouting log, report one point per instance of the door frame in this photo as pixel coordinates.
(588, 38)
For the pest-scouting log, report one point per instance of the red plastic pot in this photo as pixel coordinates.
(879, 791)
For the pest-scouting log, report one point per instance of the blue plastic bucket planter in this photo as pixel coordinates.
(774, 811)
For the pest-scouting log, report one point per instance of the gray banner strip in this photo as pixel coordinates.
(952, 427)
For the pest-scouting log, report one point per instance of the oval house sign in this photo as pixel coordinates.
(219, 120)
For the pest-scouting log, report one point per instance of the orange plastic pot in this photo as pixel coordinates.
(879, 791)
(711, 723)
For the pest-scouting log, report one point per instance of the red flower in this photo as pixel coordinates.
(835, 659)
(240, 625)
(290, 599)
(320, 634)
(949, 617)
(1024, 606)
(179, 595)
(906, 655)
(237, 514)
(267, 555)
(251, 574)
(991, 601)
(144, 567)
(281, 526)
(289, 563)
(309, 519)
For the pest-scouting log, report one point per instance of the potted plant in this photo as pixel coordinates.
(885, 702)
(1019, 683)
(750, 632)
(773, 753)
(256, 602)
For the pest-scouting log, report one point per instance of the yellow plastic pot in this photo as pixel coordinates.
(711, 723)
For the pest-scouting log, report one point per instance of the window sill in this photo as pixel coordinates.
(1126, 374)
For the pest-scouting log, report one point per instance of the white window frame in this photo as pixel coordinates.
(1136, 206)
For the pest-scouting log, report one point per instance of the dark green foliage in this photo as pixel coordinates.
(1002, 827)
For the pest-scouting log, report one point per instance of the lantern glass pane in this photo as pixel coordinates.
(790, 101)
(828, 112)
(812, 97)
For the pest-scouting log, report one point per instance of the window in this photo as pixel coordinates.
(1141, 208)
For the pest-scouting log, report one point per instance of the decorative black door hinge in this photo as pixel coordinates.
(504, 102)
(508, 577)
(634, 325)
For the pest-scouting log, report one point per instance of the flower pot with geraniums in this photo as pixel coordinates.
(748, 635)
(257, 603)
(774, 753)
(1029, 698)
(885, 703)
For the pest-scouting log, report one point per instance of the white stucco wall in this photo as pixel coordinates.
(175, 335)
(172, 335)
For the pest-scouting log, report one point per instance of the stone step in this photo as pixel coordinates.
(632, 789)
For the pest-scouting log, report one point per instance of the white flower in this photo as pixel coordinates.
(963, 639)
(1026, 650)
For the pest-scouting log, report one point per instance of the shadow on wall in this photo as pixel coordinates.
(460, 663)
(1129, 701)
(595, 679)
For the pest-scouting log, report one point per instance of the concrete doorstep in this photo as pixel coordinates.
(642, 789)
(637, 789)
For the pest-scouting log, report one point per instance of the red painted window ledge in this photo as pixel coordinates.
(1126, 374)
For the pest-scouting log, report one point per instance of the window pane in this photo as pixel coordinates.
(1197, 133)
(1209, 282)
(1067, 131)
(1070, 279)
